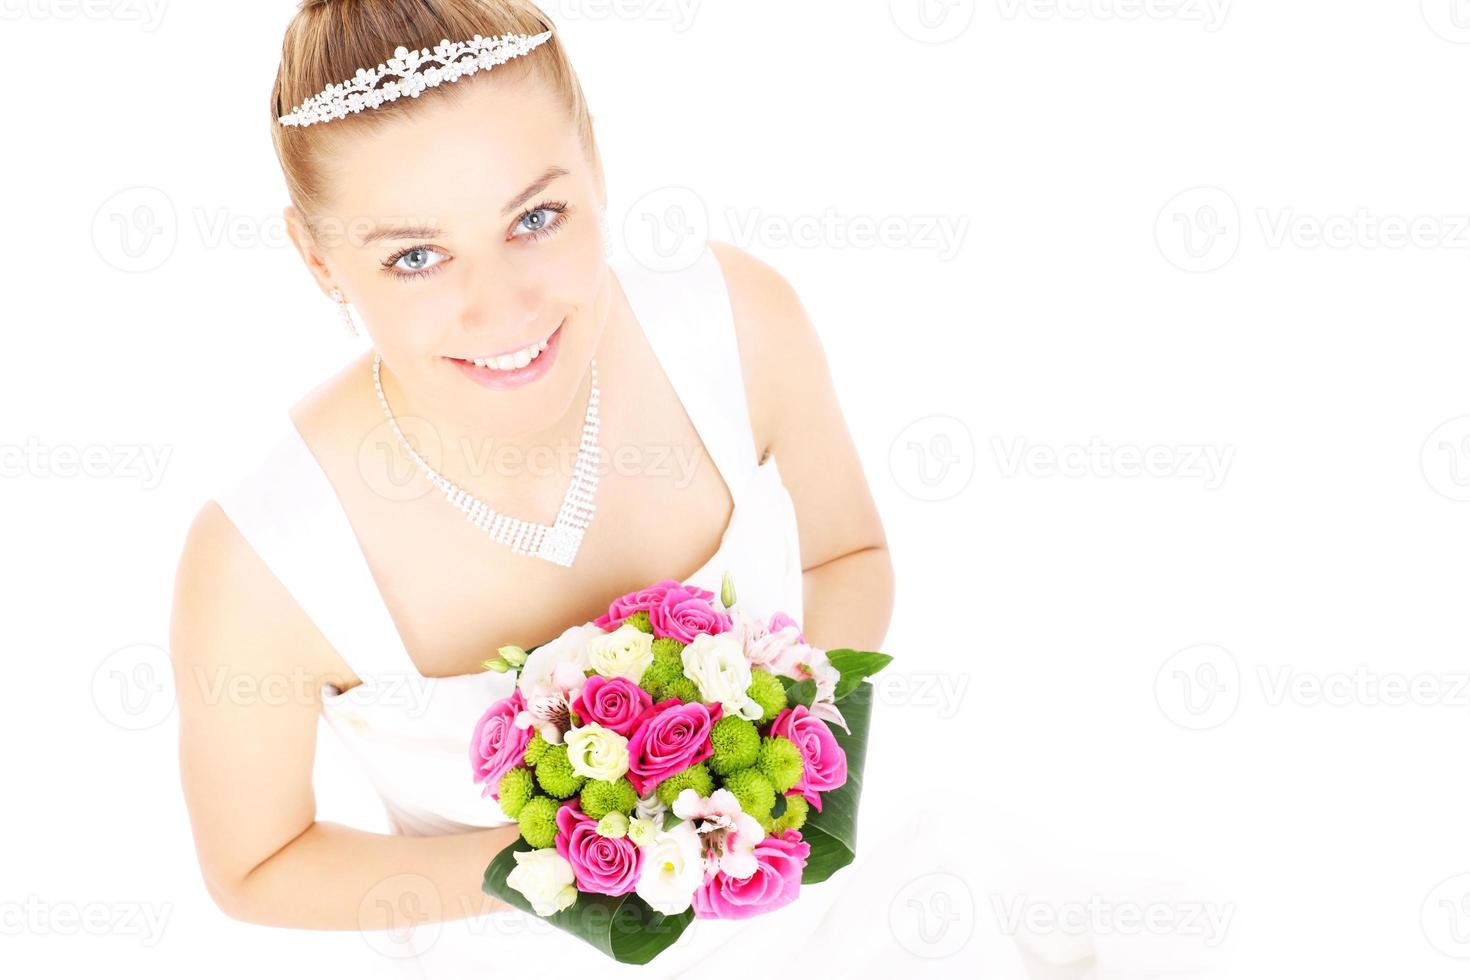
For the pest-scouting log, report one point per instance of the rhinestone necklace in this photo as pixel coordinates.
(557, 542)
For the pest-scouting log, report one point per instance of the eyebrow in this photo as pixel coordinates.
(389, 233)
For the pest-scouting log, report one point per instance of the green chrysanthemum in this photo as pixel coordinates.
(516, 787)
(667, 665)
(601, 797)
(794, 817)
(639, 620)
(736, 743)
(538, 821)
(680, 687)
(754, 791)
(667, 646)
(555, 775)
(767, 692)
(534, 748)
(696, 777)
(780, 762)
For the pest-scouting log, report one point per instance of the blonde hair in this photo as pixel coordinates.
(328, 40)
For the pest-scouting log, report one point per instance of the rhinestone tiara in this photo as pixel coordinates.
(409, 73)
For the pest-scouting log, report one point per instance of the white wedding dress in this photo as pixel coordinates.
(411, 733)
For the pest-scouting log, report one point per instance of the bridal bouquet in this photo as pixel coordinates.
(677, 757)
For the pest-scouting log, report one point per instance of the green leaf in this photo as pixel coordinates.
(854, 666)
(799, 692)
(780, 806)
(832, 832)
(622, 927)
(671, 819)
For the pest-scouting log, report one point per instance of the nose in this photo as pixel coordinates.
(501, 309)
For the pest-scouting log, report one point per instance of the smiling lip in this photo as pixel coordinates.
(492, 378)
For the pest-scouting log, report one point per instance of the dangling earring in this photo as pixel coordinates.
(346, 313)
(607, 245)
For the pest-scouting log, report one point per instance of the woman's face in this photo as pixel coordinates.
(468, 229)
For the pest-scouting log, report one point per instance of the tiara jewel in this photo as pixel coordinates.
(410, 72)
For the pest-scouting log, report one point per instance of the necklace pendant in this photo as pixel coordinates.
(560, 544)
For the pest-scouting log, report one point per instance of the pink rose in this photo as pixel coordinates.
(606, 865)
(615, 703)
(669, 737)
(685, 612)
(824, 763)
(780, 860)
(642, 600)
(497, 744)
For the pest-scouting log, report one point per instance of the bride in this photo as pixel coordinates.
(536, 429)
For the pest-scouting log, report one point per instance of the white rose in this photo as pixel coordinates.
(558, 666)
(673, 867)
(625, 652)
(717, 666)
(545, 878)
(597, 752)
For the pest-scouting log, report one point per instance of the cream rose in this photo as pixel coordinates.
(597, 752)
(716, 664)
(625, 652)
(545, 878)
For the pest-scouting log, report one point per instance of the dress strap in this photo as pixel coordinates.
(687, 318)
(289, 512)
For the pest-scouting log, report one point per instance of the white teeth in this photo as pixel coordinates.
(512, 362)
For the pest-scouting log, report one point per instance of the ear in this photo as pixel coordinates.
(305, 244)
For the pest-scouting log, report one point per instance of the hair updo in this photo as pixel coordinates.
(327, 41)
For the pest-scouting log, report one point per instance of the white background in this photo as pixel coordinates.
(1236, 232)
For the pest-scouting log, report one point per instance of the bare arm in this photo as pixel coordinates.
(847, 576)
(248, 666)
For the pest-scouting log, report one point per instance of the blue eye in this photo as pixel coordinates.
(417, 260)
(540, 220)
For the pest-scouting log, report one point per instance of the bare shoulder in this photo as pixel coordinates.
(229, 609)
(778, 343)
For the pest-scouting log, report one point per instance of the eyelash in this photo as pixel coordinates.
(558, 208)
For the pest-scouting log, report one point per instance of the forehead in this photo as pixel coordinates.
(453, 159)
